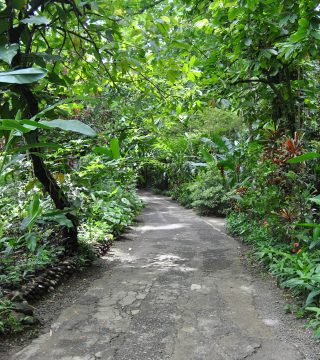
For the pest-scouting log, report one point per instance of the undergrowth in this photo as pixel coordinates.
(104, 199)
(294, 265)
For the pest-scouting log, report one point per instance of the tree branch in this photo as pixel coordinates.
(248, 81)
(148, 7)
(97, 51)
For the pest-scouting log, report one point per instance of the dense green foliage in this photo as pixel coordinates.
(213, 102)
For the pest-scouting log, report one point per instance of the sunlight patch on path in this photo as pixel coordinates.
(168, 262)
(271, 322)
(161, 227)
(118, 254)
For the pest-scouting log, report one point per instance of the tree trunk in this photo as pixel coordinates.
(41, 172)
(283, 107)
(291, 104)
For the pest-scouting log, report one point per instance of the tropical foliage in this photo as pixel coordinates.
(215, 103)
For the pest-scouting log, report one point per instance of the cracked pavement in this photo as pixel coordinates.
(175, 289)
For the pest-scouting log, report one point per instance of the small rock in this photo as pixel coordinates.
(195, 287)
(30, 320)
(18, 316)
(17, 297)
(23, 308)
(51, 273)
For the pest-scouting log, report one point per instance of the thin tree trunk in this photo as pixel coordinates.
(291, 115)
(41, 172)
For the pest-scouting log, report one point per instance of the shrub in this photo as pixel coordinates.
(207, 193)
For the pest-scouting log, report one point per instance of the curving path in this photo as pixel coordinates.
(175, 289)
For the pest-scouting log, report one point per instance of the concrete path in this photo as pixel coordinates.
(175, 289)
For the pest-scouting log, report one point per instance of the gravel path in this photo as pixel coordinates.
(175, 288)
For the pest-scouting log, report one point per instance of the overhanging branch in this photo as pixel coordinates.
(148, 7)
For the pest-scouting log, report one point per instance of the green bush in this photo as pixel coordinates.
(182, 194)
(207, 194)
(8, 321)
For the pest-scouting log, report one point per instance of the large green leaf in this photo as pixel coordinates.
(22, 76)
(23, 126)
(102, 151)
(32, 125)
(70, 125)
(315, 238)
(9, 124)
(115, 149)
(315, 199)
(207, 156)
(316, 34)
(8, 52)
(34, 210)
(34, 205)
(312, 225)
(313, 294)
(60, 218)
(304, 157)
